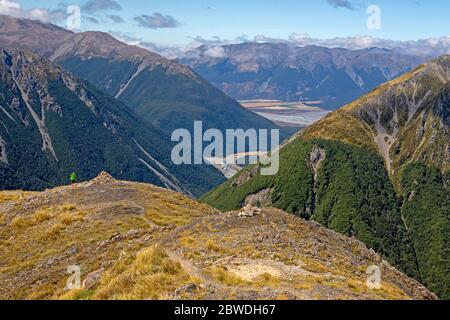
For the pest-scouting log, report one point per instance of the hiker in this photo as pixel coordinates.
(73, 178)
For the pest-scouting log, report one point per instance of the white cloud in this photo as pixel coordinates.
(9, 7)
(341, 4)
(38, 14)
(14, 9)
(215, 52)
(93, 6)
(156, 21)
(213, 47)
(425, 47)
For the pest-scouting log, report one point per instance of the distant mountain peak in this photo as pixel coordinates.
(25, 34)
(56, 43)
(11, 23)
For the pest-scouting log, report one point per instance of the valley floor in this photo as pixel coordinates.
(287, 114)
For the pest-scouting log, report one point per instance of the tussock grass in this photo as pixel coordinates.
(313, 265)
(13, 195)
(68, 219)
(267, 280)
(42, 216)
(20, 223)
(53, 233)
(174, 209)
(212, 245)
(149, 275)
(222, 275)
(79, 225)
(66, 214)
(79, 294)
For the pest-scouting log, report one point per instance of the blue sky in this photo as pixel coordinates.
(228, 19)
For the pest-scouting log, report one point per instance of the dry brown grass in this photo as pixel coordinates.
(55, 224)
(149, 275)
(42, 216)
(20, 223)
(14, 195)
(342, 126)
(224, 276)
(53, 233)
(66, 214)
(69, 218)
(212, 245)
(212, 249)
(267, 280)
(166, 209)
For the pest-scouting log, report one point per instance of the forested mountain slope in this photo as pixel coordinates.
(53, 124)
(377, 170)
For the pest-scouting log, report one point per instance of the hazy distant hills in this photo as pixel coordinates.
(378, 170)
(52, 123)
(162, 92)
(278, 71)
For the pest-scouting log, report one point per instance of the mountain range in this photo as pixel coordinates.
(155, 95)
(377, 170)
(331, 77)
(162, 92)
(53, 123)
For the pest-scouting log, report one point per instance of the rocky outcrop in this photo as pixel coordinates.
(92, 279)
(246, 176)
(316, 157)
(261, 199)
(3, 155)
(249, 212)
(103, 178)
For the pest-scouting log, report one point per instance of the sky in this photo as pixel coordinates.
(169, 23)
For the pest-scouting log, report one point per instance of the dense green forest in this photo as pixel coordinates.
(351, 193)
(426, 210)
